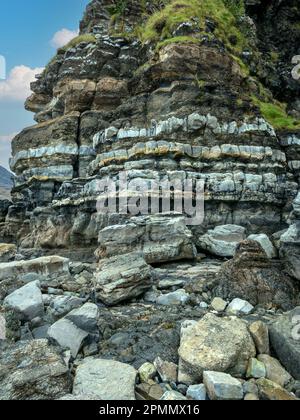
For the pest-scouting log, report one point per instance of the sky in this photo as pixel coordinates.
(30, 33)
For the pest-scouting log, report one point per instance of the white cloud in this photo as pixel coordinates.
(62, 37)
(5, 149)
(17, 86)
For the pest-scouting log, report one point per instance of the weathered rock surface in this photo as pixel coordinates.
(27, 301)
(284, 337)
(122, 278)
(33, 370)
(223, 240)
(290, 250)
(108, 379)
(251, 275)
(67, 335)
(274, 370)
(7, 252)
(271, 391)
(222, 387)
(216, 344)
(260, 334)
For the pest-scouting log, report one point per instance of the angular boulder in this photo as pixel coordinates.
(27, 301)
(222, 387)
(223, 240)
(265, 243)
(215, 344)
(85, 318)
(108, 379)
(285, 340)
(121, 278)
(252, 276)
(33, 370)
(160, 238)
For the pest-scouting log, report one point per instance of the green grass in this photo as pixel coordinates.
(177, 40)
(276, 115)
(87, 38)
(160, 26)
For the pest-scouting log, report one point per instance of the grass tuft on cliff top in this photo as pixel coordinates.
(160, 26)
(276, 114)
(88, 38)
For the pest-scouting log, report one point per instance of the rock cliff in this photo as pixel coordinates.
(197, 90)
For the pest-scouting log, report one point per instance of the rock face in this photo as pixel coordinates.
(251, 275)
(214, 344)
(44, 376)
(108, 379)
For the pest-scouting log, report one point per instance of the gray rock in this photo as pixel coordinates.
(265, 243)
(33, 370)
(122, 278)
(215, 344)
(197, 392)
(179, 297)
(239, 307)
(108, 379)
(223, 240)
(147, 371)
(85, 318)
(222, 387)
(41, 332)
(67, 335)
(62, 305)
(290, 250)
(173, 396)
(2, 328)
(27, 301)
(219, 305)
(166, 370)
(285, 340)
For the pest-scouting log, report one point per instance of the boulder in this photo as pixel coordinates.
(260, 334)
(223, 240)
(239, 307)
(149, 391)
(173, 396)
(85, 318)
(219, 304)
(62, 305)
(27, 301)
(265, 243)
(67, 335)
(222, 387)
(215, 344)
(275, 372)
(285, 340)
(252, 276)
(290, 250)
(179, 297)
(197, 392)
(166, 370)
(271, 391)
(108, 379)
(160, 238)
(122, 278)
(33, 370)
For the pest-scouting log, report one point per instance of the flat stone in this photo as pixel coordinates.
(239, 307)
(27, 301)
(67, 335)
(275, 372)
(260, 334)
(222, 387)
(219, 304)
(108, 379)
(179, 297)
(197, 392)
(256, 369)
(167, 371)
(149, 391)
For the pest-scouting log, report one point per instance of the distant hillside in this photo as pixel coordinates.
(6, 182)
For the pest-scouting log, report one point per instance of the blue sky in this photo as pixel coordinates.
(28, 41)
